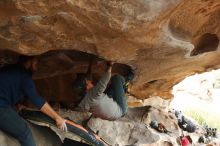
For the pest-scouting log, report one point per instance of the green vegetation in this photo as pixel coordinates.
(204, 116)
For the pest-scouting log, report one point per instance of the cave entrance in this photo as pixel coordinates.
(198, 97)
(206, 43)
(58, 69)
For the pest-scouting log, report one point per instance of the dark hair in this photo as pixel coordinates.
(24, 58)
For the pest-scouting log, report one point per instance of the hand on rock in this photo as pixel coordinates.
(110, 63)
(61, 124)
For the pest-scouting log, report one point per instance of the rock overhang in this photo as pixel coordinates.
(156, 38)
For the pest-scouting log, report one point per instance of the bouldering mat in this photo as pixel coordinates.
(74, 130)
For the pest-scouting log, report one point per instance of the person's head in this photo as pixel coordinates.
(82, 84)
(178, 114)
(29, 62)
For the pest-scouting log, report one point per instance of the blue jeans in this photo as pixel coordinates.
(12, 124)
(116, 91)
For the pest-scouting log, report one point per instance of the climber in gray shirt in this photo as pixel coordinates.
(102, 100)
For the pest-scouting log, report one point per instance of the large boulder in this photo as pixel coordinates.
(163, 40)
(134, 128)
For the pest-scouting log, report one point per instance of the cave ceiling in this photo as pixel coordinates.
(162, 40)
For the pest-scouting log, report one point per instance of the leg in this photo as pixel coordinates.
(12, 124)
(116, 91)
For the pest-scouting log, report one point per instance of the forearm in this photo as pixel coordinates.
(47, 109)
(109, 67)
(102, 84)
(100, 87)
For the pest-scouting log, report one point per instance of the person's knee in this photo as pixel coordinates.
(118, 77)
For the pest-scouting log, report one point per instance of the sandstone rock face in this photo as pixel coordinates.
(163, 40)
(134, 129)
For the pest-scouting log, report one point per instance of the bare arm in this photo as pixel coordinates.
(47, 109)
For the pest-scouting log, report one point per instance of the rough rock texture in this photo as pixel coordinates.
(134, 129)
(43, 137)
(163, 40)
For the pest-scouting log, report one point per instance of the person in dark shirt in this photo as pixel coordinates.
(16, 82)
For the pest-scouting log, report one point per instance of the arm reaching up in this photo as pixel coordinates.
(100, 87)
(109, 66)
(61, 123)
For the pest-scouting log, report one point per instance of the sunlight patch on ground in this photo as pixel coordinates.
(199, 96)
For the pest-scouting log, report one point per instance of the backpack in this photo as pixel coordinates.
(154, 124)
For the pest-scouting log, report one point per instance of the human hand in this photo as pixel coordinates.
(19, 107)
(109, 63)
(61, 124)
(109, 66)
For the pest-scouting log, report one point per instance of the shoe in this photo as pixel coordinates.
(127, 88)
(128, 78)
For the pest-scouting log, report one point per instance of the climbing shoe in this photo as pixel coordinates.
(128, 78)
